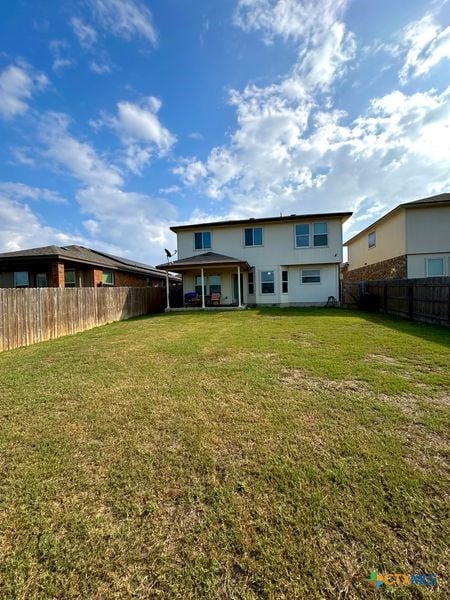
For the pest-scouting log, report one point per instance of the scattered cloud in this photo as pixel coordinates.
(99, 68)
(127, 19)
(18, 83)
(22, 228)
(173, 189)
(61, 60)
(426, 44)
(316, 27)
(86, 34)
(21, 191)
(195, 135)
(79, 158)
(140, 130)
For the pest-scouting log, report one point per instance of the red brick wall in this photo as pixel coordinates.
(122, 279)
(393, 268)
(57, 275)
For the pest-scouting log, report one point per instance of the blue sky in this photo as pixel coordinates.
(119, 118)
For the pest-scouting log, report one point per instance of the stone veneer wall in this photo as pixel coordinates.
(393, 268)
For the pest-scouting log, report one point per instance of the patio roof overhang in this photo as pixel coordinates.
(205, 260)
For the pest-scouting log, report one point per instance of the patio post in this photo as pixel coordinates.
(239, 287)
(203, 289)
(167, 291)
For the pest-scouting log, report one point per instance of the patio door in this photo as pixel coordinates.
(235, 289)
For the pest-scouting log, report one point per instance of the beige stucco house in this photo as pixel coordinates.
(410, 241)
(282, 261)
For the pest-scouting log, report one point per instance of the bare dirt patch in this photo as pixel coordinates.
(300, 378)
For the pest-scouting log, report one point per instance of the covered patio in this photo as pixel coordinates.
(210, 281)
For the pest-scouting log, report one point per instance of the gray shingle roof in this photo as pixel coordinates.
(212, 258)
(83, 255)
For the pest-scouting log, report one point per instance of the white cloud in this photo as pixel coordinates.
(21, 191)
(315, 26)
(21, 228)
(195, 135)
(87, 36)
(61, 60)
(136, 223)
(426, 44)
(140, 130)
(99, 67)
(79, 158)
(125, 18)
(18, 83)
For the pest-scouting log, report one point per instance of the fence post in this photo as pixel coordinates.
(411, 300)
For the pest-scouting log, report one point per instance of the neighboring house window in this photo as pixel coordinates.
(372, 239)
(69, 278)
(214, 284)
(435, 267)
(267, 282)
(251, 284)
(311, 276)
(41, 280)
(202, 240)
(107, 278)
(253, 236)
(302, 235)
(284, 282)
(21, 279)
(320, 234)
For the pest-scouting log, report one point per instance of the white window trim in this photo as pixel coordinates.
(311, 236)
(310, 282)
(211, 238)
(113, 278)
(261, 282)
(368, 239)
(262, 237)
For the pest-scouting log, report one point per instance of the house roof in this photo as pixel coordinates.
(438, 200)
(204, 260)
(83, 255)
(341, 215)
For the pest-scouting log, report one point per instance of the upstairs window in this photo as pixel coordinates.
(202, 240)
(21, 279)
(372, 239)
(108, 278)
(435, 267)
(253, 236)
(320, 234)
(267, 282)
(302, 235)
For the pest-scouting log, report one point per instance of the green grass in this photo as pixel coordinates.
(256, 454)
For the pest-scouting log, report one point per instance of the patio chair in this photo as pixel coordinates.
(191, 299)
(215, 298)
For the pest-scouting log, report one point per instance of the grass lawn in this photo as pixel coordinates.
(256, 454)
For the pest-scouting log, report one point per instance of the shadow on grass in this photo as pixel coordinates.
(431, 333)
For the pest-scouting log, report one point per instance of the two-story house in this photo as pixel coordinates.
(283, 261)
(410, 241)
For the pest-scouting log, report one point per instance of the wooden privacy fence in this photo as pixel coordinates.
(33, 315)
(426, 300)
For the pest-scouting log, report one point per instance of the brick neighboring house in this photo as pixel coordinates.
(74, 266)
(410, 241)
